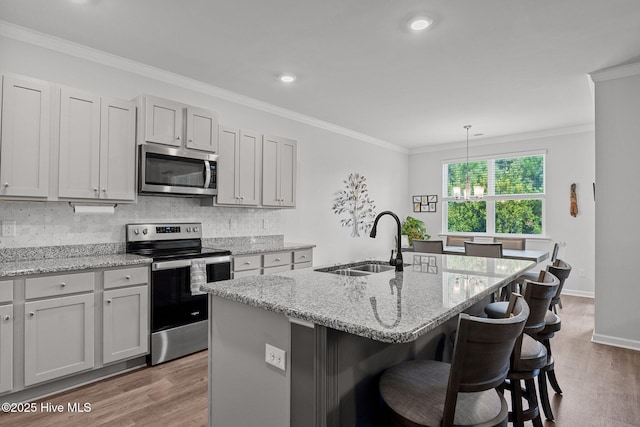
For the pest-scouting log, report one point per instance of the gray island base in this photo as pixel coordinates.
(339, 334)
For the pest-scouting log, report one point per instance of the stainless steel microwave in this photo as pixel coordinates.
(175, 171)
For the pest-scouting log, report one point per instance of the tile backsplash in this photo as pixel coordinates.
(54, 223)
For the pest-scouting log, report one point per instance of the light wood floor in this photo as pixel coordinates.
(601, 387)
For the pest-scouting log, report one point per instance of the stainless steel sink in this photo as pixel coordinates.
(373, 268)
(362, 268)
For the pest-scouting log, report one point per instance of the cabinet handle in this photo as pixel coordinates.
(277, 259)
(241, 197)
(178, 137)
(104, 190)
(31, 314)
(62, 285)
(127, 277)
(109, 301)
(190, 139)
(247, 263)
(303, 256)
(6, 184)
(7, 317)
(95, 189)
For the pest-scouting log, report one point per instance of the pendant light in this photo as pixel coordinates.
(478, 190)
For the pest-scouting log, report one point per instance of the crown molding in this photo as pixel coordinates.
(546, 133)
(26, 35)
(616, 72)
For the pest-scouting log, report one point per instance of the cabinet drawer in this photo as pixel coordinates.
(58, 285)
(246, 273)
(278, 269)
(6, 291)
(250, 262)
(303, 255)
(277, 259)
(125, 277)
(301, 265)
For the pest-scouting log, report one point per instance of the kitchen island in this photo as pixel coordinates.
(338, 333)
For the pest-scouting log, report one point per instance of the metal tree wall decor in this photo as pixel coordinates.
(355, 201)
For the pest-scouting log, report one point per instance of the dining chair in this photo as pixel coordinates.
(428, 246)
(512, 243)
(531, 356)
(487, 250)
(457, 240)
(465, 392)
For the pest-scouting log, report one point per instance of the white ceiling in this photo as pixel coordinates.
(504, 66)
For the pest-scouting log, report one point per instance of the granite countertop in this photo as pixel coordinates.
(388, 306)
(256, 248)
(55, 265)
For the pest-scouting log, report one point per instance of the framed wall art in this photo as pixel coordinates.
(426, 203)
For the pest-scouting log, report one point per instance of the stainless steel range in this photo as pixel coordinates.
(178, 316)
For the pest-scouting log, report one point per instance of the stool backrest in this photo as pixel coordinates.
(428, 246)
(538, 295)
(482, 352)
(488, 250)
(561, 270)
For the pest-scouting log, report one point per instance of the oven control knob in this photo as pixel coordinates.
(195, 229)
(144, 231)
(188, 229)
(136, 231)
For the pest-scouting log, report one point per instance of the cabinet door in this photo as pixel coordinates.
(26, 122)
(58, 337)
(270, 173)
(248, 171)
(125, 323)
(118, 150)
(227, 166)
(163, 121)
(279, 159)
(202, 129)
(79, 171)
(6, 348)
(287, 168)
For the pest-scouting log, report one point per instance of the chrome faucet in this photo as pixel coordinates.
(397, 261)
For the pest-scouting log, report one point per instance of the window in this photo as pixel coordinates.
(513, 201)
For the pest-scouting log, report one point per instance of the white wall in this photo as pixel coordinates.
(324, 160)
(570, 159)
(617, 152)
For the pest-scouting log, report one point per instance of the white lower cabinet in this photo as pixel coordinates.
(58, 337)
(6, 348)
(125, 323)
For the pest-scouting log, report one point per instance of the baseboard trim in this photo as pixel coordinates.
(573, 293)
(615, 341)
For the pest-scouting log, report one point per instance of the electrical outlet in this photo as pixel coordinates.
(8, 228)
(265, 224)
(275, 356)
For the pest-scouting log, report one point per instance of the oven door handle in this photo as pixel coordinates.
(181, 263)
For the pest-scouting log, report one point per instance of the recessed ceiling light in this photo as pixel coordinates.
(287, 78)
(83, 1)
(420, 23)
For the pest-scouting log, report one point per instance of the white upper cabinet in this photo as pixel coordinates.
(172, 123)
(79, 172)
(202, 129)
(26, 121)
(97, 147)
(239, 167)
(118, 150)
(162, 121)
(279, 162)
